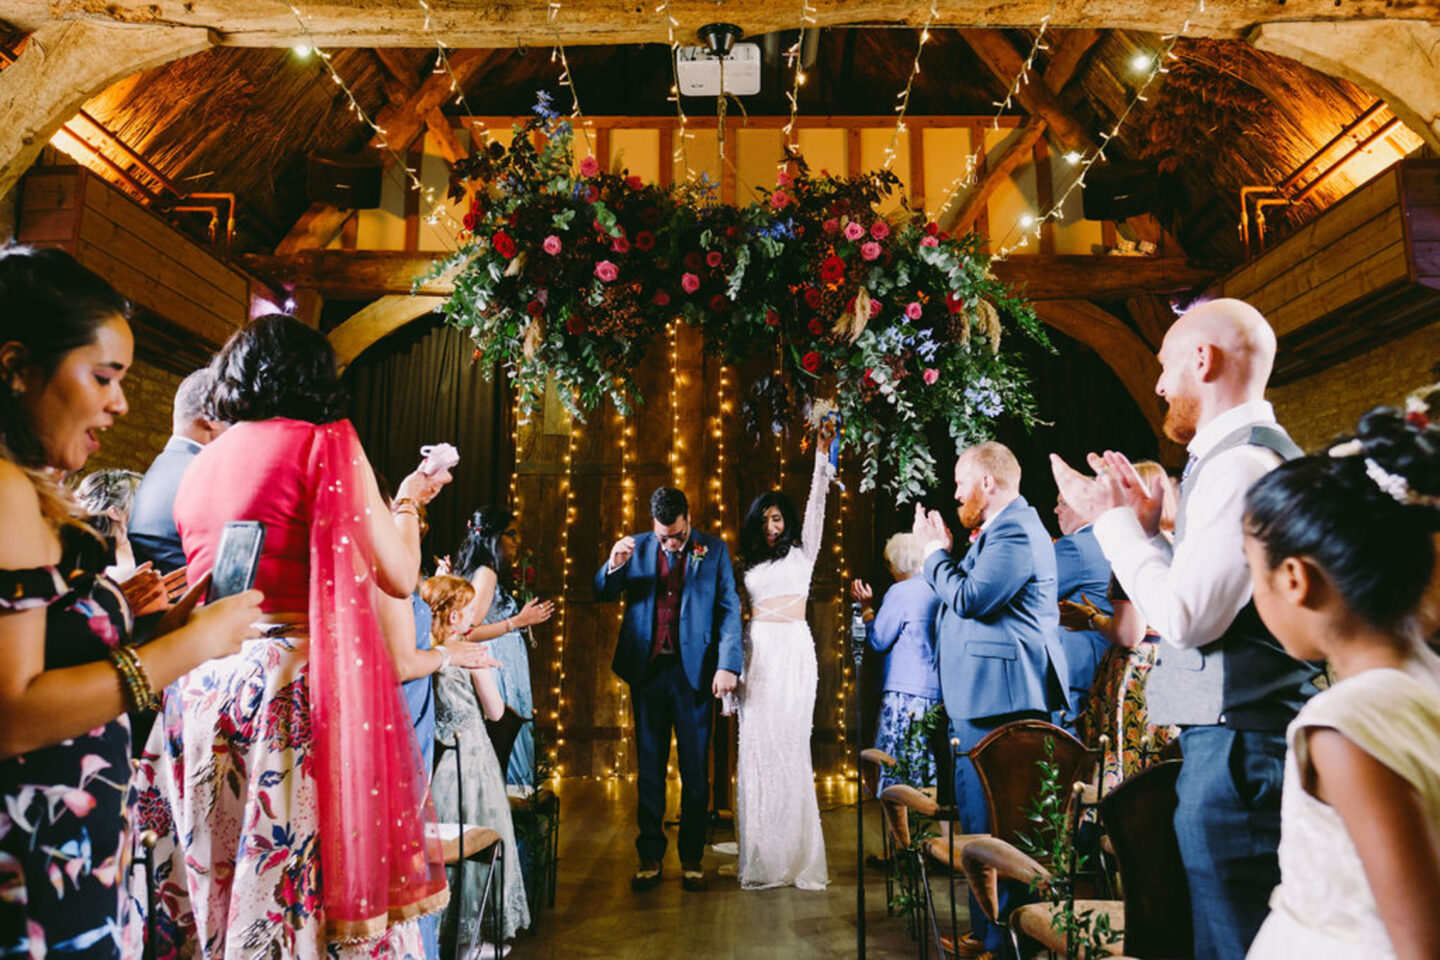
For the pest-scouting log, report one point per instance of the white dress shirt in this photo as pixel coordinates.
(1190, 594)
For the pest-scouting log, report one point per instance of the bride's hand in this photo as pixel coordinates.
(725, 682)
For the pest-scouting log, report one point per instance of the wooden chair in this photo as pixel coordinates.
(896, 803)
(460, 843)
(1154, 916)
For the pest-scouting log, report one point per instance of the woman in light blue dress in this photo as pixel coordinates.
(491, 544)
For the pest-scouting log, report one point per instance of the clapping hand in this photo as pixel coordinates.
(536, 611)
(929, 527)
(421, 486)
(1116, 484)
(861, 593)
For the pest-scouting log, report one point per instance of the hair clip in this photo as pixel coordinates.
(1397, 487)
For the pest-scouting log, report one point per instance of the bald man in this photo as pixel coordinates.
(1221, 676)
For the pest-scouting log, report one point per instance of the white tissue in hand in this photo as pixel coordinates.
(438, 457)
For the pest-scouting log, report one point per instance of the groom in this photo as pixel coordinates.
(679, 644)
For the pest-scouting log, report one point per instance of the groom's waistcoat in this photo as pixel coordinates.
(669, 588)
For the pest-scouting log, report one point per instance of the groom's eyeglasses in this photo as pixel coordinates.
(674, 541)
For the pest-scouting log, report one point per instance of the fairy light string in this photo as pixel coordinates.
(797, 79)
(903, 96)
(557, 53)
(562, 604)
(1032, 225)
(680, 158)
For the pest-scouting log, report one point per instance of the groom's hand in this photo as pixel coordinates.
(725, 682)
(620, 553)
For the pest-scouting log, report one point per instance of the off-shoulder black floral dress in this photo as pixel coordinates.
(64, 850)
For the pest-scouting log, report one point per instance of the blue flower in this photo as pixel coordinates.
(983, 397)
(542, 107)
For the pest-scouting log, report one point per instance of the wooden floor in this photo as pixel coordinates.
(597, 915)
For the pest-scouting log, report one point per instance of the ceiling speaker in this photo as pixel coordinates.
(1117, 191)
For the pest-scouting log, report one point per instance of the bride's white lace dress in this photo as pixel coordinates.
(776, 814)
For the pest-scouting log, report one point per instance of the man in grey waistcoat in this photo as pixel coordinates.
(1221, 676)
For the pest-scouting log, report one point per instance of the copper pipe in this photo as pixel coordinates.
(1358, 149)
(230, 202)
(1289, 182)
(1260, 206)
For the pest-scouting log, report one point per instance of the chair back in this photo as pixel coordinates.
(1006, 762)
(1139, 816)
(503, 733)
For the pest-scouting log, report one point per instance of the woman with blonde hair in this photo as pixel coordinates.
(904, 630)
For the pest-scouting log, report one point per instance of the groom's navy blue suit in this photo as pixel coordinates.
(672, 691)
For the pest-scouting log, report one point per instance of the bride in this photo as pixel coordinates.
(777, 816)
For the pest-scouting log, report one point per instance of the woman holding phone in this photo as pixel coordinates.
(67, 670)
(291, 769)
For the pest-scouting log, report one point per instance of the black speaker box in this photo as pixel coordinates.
(344, 180)
(1116, 191)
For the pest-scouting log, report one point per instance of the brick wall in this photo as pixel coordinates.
(141, 434)
(1314, 410)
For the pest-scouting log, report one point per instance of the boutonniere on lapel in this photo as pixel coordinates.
(975, 534)
(697, 554)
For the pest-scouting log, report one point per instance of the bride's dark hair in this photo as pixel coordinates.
(754, 549)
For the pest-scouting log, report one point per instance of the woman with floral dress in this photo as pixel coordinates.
(67, 671)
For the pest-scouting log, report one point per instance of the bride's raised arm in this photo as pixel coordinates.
(813, 529)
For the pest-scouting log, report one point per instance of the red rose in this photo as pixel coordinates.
(575, 325)
(832, 270)
(620, 244)
(503, 244)
(693, 261)
(932, 228)
(634, 182)
(644, 240)
(661, 298)
(731, 233)
(816, 327)
(713, 258)
(718, 303)
(879, 230)
(592, 193)
(811, 362)
(944, 235)
(869, 378)
(534, 308)
(772, 318)
(953, 303)
(812, 297)
(469, 221)
(597, 226)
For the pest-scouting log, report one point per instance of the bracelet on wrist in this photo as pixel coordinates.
(135, 679)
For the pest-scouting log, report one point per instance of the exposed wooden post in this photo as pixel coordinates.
(1038, 98)
(65, 63)
(308, 305)
(1397, 60)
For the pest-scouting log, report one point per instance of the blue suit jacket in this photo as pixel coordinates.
(710, 628)
(152, 515)
(1081, 567)
(999, 649)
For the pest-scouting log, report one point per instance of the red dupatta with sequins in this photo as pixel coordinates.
(379, 863)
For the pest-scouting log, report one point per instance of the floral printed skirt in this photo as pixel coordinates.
(897, 712)
(1117, 709)
(233, 759)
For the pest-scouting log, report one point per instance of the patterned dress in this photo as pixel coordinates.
(64, 837)
(1117, 709)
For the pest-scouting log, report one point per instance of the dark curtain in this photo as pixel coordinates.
(420, 386)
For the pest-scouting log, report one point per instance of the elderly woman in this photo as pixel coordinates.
(904, 630)
(106, 496)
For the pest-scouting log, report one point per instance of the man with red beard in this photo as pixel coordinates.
(999, 648)
(1221, 676)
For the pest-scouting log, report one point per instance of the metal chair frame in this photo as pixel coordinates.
(493, 856)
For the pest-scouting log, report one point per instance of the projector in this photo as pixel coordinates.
(698, 71)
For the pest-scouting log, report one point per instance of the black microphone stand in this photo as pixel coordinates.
(858, 642)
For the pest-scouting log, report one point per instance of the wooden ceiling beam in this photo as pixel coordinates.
(400, 79)
(364, 274)
(367, 23)
(403, 123)
(1039, 99)
(1019, 150)
(1068, 49)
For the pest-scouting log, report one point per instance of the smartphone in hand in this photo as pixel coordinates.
(237, 559)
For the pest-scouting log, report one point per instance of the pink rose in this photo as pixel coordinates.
(929, 242)
(589, 167)
(551, 245)
(784, 179)
(930, 375)
(689, 282)
(779, 199)
(870, 250)
(713, 258)
(831, 225)
(606, 271)
(879, 230)
(853, 231)
(913, 310)
(874, 309)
